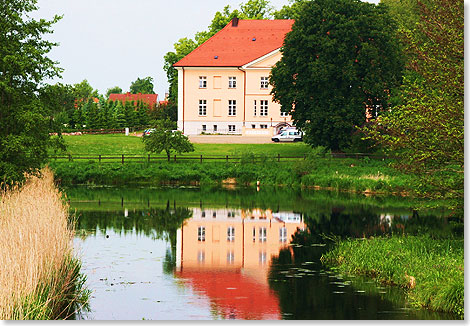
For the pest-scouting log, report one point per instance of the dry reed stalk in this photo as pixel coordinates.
(35, 241)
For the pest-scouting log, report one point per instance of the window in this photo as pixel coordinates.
(263, 109)
(231, 128)
(263, 126)
(282, 234)
(201, 256)
(232, 82)
(254, 234)
(254, 107)
(203, 214)
(230, 234)
(232, 107)
(262, 234)
(231, 214)
(204, 128)
(230, 257)
(201, 233)
(215, 128)
(264, 82)
(284, 114)
(253, 126)
(214, 215)
(262, 257)
(202, 107)
(202, 82)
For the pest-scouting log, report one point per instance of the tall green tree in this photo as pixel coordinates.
(427, 130)
(113, 90)
(340, 57)
(24, 65)
(164, 138)
(144, 86)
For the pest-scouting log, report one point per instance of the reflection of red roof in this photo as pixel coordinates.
(163, 102)
(236, 46)
(150, 99)
(235, 295)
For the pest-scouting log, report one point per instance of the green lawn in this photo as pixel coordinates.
(120, 144)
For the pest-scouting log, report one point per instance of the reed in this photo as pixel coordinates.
(39, 274)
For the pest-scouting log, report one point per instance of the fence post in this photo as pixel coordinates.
(279, 157)
(99, 158)
(305, 157)
(201, 158)
(70, 158)
(175, 158)
(148, 158)
(122, 159)
(226, 158)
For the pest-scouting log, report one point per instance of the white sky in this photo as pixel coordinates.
(112, 42)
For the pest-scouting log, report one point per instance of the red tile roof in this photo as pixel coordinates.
(150, 99)
(236, 46)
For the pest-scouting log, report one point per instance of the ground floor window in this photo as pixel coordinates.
(201, 233)
(204, 128)
(215, 127)
(263, 126)
(253, 126)
(231, 128)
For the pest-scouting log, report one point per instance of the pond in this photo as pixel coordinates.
(218, 253)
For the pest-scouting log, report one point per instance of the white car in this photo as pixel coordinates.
(288, 135)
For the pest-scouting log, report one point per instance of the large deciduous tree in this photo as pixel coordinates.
(340, 57)
(24, 65)
(427, 129)
(144, 86)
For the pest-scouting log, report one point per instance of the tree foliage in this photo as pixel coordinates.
(24, 65)
(340, 57)
(427, 129)
(144, 86)
(166, 139)
(113, 90)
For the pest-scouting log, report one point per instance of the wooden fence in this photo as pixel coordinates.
(135, 158)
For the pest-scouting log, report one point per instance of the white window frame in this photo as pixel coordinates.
(264, 82)
(283, 234)
(232, 82)
(201, 233)
(231, 128)
(262, 234)
(202, 108)
(204, 128)
(263, 108)
(202, 81)
(232, 108)
(254, 108)
(231, 234)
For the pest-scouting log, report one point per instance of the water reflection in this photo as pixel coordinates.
(194, 254)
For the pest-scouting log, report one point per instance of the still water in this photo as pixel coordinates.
(199, 254)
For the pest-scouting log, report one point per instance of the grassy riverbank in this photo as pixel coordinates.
(39, 274)
(432, 270)
(341, 174)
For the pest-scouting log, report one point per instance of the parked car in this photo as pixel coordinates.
(290, 134)
(148, 131)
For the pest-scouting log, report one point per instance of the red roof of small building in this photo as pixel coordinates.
(150, 99)
(235, 46)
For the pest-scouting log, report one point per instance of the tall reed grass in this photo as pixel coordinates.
(39, 274)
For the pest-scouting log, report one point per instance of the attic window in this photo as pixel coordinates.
(253, 39)
(216, 57)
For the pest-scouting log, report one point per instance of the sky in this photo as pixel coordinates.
(113, 42)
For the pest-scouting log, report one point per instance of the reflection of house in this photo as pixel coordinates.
(226, 253)
(223, 85)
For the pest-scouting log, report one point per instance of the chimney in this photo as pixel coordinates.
(235, 22)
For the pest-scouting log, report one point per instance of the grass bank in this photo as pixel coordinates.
(39, 274)
(357, 175)
(431, 270)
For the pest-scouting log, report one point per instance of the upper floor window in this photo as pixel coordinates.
(230, 234)
(202, 82)
(230, 214)
(232, 82)
(282, 234)
(203, 107)
(264, 82)
(201, 233)
(263, 109)
(232, 107)
(284, 114)
(262, 234)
